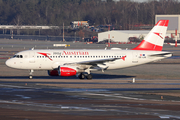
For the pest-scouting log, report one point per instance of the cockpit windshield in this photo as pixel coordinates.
(18, 56)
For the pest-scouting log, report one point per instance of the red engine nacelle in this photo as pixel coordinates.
(67, 71)
(53, 73)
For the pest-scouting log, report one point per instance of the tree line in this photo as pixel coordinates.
(56, 12)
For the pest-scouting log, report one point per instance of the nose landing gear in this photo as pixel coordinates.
(31, 74)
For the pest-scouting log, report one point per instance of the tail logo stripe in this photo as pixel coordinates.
(159, 34)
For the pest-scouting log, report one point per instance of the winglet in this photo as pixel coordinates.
(155, 39)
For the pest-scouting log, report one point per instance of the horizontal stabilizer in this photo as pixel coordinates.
(162, 55)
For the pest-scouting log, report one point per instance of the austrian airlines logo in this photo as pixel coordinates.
(45, 54)
(123, 58)
(159, 34)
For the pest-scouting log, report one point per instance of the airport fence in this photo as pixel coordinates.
(40, 37)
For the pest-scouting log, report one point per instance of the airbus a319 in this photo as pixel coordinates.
(81, 62)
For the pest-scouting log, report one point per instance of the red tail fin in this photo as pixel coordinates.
(155, 39)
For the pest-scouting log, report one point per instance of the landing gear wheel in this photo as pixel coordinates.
(89, 76)
(30, 76)
(81, 76)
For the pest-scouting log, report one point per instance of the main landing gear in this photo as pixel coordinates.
(83, 76)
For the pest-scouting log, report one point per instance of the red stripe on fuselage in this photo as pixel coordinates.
(45, 54)
(144, 45)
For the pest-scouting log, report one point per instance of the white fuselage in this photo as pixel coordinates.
(73, 62)
(51, 59)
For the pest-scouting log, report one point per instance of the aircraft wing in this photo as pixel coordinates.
(93, 64)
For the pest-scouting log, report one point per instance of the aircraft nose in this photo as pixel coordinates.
(9, 63)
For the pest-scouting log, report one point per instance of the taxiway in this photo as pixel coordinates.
(112, 95)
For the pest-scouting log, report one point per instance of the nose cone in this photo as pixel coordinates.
(9, 63)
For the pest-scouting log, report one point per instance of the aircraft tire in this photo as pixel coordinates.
(89, 76)
(81, 76)
(30, 76)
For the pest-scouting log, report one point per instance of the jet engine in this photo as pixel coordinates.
(66, 71)
(53, 73)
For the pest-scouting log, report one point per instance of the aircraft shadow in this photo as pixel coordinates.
(95, 76)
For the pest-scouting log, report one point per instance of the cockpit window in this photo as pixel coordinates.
(14, 56)
(18, 56)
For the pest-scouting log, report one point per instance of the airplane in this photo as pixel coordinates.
(81, 62)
